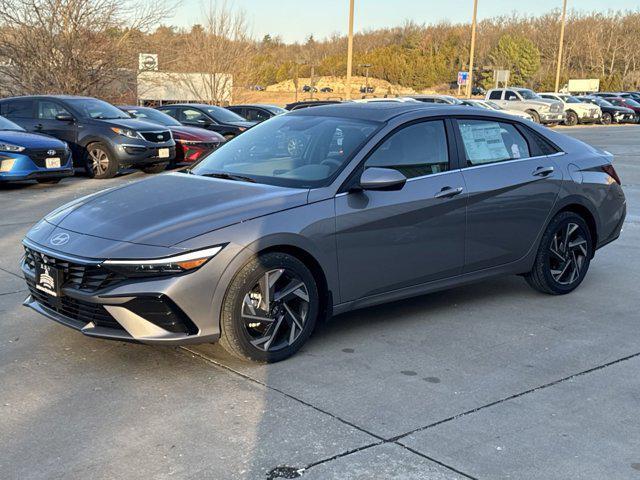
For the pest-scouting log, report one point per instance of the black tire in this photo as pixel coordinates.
(534, 116)
(156, 168)
(553, 269)
(607, 119)
(48, 181)
(99, 161)
(247, 320)
(571, 119)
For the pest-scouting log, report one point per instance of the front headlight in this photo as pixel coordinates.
(127, 132)
(184, 262)
(10, 147)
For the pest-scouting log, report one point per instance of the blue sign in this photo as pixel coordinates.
(463, 78)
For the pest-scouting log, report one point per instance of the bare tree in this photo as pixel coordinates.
(70, 46)
(217, 54)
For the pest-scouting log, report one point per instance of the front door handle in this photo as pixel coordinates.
(448, 192)
(39, 126)
(543, 171)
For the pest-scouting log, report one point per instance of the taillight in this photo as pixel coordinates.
(609, 170)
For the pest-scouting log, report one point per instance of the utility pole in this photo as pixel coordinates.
(366, 66)
(559, 66)
(473, 47)
(350, 50)
(313, 73)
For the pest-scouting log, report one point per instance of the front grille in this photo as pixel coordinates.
(74, 309)
(85, 277)
(156, 137)
(39, 155)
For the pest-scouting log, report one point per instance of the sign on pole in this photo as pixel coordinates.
(463, 78)
(501, 76)
(148, 62)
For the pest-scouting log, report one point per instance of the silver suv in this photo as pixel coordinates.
(541, 109)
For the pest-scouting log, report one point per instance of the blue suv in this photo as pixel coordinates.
(28, 156)
(102, 137)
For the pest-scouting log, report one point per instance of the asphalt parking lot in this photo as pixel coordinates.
(488, 381)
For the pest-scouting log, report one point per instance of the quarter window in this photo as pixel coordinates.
(490, 142)
(417, 150)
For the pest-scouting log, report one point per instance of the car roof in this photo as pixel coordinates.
(59, 97)
(384, 111)
(194, 105)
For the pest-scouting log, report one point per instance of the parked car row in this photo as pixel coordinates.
(45, 138)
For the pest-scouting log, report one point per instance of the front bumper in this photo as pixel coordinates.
(171, 310)
(624, 118)
(549, 117)
(134, 153)
(17, 167)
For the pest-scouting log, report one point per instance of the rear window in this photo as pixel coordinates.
(19, 108)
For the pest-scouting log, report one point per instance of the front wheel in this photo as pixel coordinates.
(270, 309)
(535, 116)
(100, 162)
(607, 119)
(571, 120)
(563, 256)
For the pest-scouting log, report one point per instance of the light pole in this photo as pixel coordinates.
(349, 50)
(473, 47)
(559, 66)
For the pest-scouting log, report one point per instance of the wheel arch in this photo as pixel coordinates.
(580, 208)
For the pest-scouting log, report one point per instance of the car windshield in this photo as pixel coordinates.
(631, 102)
(572, 100)
(151, 115)
(603, 103)
(9, 125)
(290, 150)
(493, 105)
(528, 94)
(275, 109)
(98, 109)
(222, 115)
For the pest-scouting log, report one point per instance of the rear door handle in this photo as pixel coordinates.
(448, 192)
(543, 171)
(39, 126)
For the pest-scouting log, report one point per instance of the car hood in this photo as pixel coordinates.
(168, 209)
(195, 133)
(620, 109)
(29, 140)
(242, 124)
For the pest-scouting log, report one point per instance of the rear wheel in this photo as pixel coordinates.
(571, 120)
(100, 162)
(563, 257)
(156, 168)
(607, 119)
(534, 116)
(270, 309)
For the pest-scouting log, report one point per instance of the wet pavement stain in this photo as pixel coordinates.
(408, 373)
(635, 466)
(431, 379)
(348, 350)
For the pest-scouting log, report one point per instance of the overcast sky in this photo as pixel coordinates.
(295, 20)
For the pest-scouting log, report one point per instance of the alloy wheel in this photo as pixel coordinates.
(99, 161)
(275, 310)
(569, 252)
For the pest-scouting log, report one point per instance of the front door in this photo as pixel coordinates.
(388, 240)
(46, 122)
(512, 187)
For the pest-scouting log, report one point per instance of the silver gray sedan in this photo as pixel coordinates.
(318, 212)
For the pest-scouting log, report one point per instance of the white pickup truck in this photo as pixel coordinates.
(575, 111)
(540, 109)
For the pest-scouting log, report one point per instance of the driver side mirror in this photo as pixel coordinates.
(64, 117)
(205, 122)
(375, 178)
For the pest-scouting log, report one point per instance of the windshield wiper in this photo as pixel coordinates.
(227, 176)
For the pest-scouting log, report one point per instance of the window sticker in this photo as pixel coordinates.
(483, 142)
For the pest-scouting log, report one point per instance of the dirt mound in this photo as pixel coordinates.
(338, 84)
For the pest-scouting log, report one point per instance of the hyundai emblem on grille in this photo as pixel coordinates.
(59, 239)
(51, 152)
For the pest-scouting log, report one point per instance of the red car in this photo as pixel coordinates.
(192, 143)
(627, 103)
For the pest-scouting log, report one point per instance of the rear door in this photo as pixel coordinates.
(389, 240)
(512, 184)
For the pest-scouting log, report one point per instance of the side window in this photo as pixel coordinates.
(19, 108)
(487, 141)
(495, 95)
(192, 115)
(48, 110)
(417, 150)
(510, 95)
(172, 112)
(255, 115)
